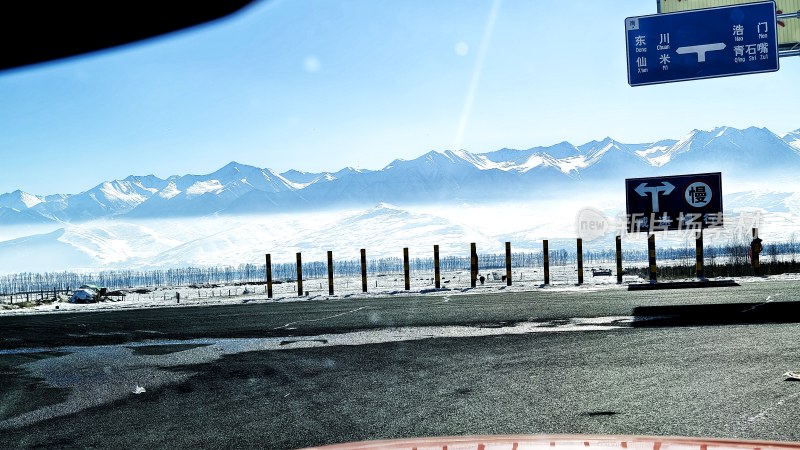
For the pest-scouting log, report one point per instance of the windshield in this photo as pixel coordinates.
(317, 222)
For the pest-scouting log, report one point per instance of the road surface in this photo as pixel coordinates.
(697, 362)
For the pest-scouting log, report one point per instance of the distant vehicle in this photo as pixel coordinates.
(601, 272)
(83, 296)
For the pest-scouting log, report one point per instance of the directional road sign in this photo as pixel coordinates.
(704, 43)
(681, 202)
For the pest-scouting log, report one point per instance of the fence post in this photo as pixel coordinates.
(546, 261)
(651, 248)
(406, 269)
(299, 275)
(437, 274)
(699, 254)
(364, 270)
(269, 276)
(473, 266)
(330, 272)
(619, 259)
(580, 261)
(508, 263)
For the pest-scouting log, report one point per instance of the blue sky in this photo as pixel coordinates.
(317, 85)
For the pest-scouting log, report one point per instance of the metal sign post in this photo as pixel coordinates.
(787, 13)
(699, 255)
(651, 253)
(792, 49)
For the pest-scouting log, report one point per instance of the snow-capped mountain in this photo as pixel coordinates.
(437, 176)
(19, 200)
(793, 139)
(302, 180)
(737, 153)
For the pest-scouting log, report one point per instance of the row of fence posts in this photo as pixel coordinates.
(437, 274)
(406, 270)
(651, 244)
(40, 294)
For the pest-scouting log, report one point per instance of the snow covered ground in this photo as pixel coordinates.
(562, 279)
(382, 285)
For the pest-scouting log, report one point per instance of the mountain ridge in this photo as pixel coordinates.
(436, 176)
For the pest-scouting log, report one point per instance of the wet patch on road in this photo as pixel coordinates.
(20, 392)
(166, 349)
(290, 342)
(98, 375)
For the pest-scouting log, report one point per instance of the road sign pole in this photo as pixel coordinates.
(794, 15)
(794, 52)
(699, 254)
(651, 248)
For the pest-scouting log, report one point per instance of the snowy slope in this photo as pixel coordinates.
(769, 200)
(737, 153)
(11, 216)
(384, 230)
(793, 139)
(93, 245)
(42, 253)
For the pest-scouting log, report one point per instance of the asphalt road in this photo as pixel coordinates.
(701, 362)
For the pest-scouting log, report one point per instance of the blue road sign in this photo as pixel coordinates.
(681, 202)
(703, 43)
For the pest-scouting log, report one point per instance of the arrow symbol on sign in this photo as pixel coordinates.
(701, 50)
(666, 187)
